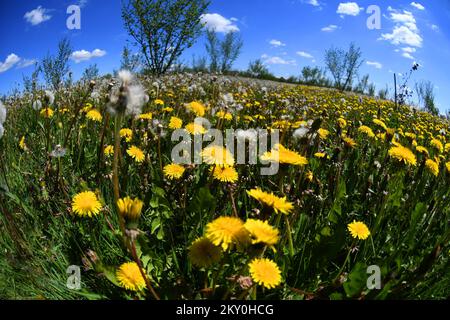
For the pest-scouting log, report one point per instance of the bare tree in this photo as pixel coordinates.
(163, 29)
(343, 65)
(425, 94)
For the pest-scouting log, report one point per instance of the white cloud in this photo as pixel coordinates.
(314, 3)
(329, 28)
(409, 50)
(37, 16)
(405, 30)
(403, 35)
(374, 64)
(218, 23)
(10, 61)
(84, 55)
(418, 5)
(407, 55)
(349, 8)
(304, 54)
(234, 19)
(277, 43)
(434, 27)
(277, 60)
(23, 63)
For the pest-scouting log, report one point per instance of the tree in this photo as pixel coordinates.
(163, 29)
(425, 93)
(231, 49)
(222, 54)
(199, 64)
(212, 46)
(90, 73)
(383, 93)
(56, 67)
(343, 65)
(30, 83)
(313, 76)
(130, 61)
(257, 69)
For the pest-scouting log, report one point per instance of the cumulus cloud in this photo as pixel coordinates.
(84, 55)
(405, 31)
(418, 5)
(374, 64)
(37, 16)
(349, 8)
(277, 43)
(329, 28)
(218, 23)
(304, 54)
(10, 61)
(277, 60)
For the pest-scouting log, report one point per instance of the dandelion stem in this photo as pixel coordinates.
(118, 124)
(144, 275)
(289, 232)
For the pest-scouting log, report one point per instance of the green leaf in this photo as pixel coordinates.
(357, 280)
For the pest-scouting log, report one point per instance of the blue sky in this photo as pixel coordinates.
(286, 34)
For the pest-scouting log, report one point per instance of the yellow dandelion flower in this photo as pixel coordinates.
(86, 204)
(349, 142)
(129, 208)
(194, 128)
(136, 153)
(224, 115)
(109, 151)
(309, 176)
(167, 109)
(22, 144)
(218, 156)
(270, 200)
(422, 150)
(262, 232)
(225, 174)
(197, 108)
(265, 272)
(203, 253)
(47, 113)
(380, 123)
(432, 166)
(283, 155)
(367, 131)
(130, 277)
(323, 133)
(342, 123)
(94, 115)
(146, 116)
(175, 123)
(358, 230)
(173, 171)
(437, 144)
(226, 232)
(447, 165)
(403, 154)
(126, 133)
(159, 102)
(320, 155)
